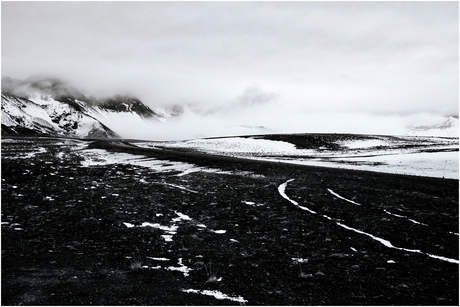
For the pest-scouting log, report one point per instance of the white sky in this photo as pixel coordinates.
(305, 57)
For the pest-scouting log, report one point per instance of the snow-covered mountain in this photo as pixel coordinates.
(50, 117)
(53, 109)
(449, 127)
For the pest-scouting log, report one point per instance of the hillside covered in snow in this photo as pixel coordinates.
(49, 107)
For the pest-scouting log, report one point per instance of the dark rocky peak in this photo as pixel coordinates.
(125, 103)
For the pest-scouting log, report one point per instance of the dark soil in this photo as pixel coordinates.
(64, 241)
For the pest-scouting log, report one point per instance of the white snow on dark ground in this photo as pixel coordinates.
(439, 158)
(94, 157)
(217, 294)
(282, 192)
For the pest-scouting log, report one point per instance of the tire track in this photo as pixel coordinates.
(282, 191)
(405, 217)
(386, 211)
(341, 197)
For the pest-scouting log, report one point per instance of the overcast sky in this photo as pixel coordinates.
(359, 57)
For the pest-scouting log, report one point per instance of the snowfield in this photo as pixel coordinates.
(94, 157)
(409, 155)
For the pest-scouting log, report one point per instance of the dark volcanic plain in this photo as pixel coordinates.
(65, 241)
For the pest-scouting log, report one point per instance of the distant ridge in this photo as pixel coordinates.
(449, 127)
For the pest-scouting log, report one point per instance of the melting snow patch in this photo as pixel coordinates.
(181, 217)
(251, 203)
(217, 294)
(158, 258)
(300, 260)
(170, 229)
(103, 157)
(181, 268)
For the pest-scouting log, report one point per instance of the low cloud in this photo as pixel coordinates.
(276, 119)
(254, 95)
(40, 85)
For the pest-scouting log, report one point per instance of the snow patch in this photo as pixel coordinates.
(95, 157)
(158, 258)
(432, 156)
(181, 268)
(217, 294)
(300, 260)
(364, 144)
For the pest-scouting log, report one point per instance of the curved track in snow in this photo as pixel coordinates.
(341, 197)
(386, 211)
(282, 191)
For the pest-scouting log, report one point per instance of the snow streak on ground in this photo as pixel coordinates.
(386, 211)
(94, 157)
(177, 186)
(411, 155)
(22, 151)
(217, 294)
(405, 217)
(170, 231)
(282, 189)
(181, 268)
(338, 196)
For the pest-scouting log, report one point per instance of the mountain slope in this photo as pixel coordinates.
(46, 105)
(43, 105)
(50, 117)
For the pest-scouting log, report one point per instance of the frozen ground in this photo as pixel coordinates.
(102, 224)
(103, 157)
(410, 155)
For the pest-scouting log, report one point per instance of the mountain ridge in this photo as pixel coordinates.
(42, 105)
